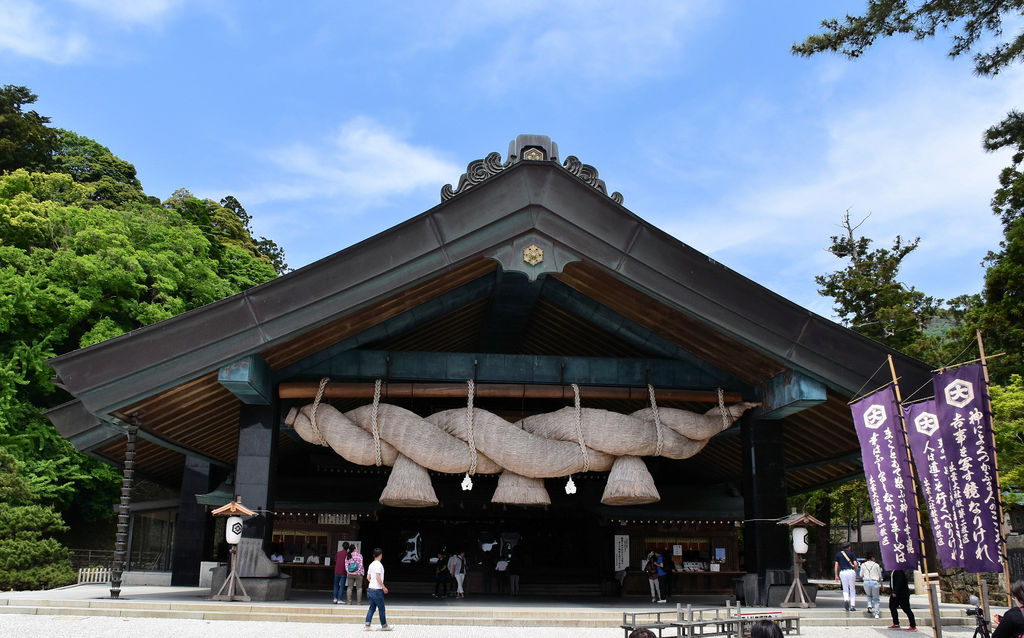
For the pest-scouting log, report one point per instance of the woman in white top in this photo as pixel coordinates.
(376, 591)
(457, 568)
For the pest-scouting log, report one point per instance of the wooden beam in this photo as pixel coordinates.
(308, 390)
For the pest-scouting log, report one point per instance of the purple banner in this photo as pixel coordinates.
(887, 470)
(961, 406)
(931, 446)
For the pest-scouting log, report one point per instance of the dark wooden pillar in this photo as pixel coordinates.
(124, 512)
(192, 531)
(766, 544)
(255, 468)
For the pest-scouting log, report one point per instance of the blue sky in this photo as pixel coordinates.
(333, 121)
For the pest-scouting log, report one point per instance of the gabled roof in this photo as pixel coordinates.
(594, 247)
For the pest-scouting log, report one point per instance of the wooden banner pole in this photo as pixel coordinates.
(995, 462)
(936, 621)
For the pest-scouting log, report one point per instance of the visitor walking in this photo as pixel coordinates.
(377, 589)
(846, 573)
(871, 574)
(457, 568)
(340, 575)
(899, 596)
(441, 577)
(354, 575)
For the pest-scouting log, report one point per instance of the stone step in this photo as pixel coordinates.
(475, 616)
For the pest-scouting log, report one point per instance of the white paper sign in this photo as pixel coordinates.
(621, 543)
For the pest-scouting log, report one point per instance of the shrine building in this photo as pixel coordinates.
(600, 384)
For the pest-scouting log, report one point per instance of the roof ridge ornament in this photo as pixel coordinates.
(588, 174)
(533, 148)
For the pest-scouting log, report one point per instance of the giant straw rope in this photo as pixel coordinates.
(474, 441)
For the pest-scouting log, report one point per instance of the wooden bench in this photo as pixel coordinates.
(654, 620)
(705, 622)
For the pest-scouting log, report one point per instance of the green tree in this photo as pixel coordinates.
(74, 272)
(25, 140)
(266, 247)
(973, 21)
(112, 181)
(1008, 421)
(1001, 319)
(867, 293)
(29, 557)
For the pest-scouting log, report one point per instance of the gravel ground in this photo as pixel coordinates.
(36, 626)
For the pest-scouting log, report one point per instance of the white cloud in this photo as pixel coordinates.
(602, 43)
(363, 160)
(60, 37)
(910, 157)
(131, 12)
(27, 32)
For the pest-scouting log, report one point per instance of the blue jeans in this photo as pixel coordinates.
(339, 585)
(871, 589)
(376, 597)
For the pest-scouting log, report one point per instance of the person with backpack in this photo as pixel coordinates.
(354, 578)
(846, 573)
(652, 578)
(339, 572)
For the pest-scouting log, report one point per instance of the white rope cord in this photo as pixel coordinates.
(657, 421)
(373, 421)
(579, 429)
(726, 422)
(469, 427)
(312, 416)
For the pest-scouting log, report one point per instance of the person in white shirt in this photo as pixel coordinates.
(457, 568)
(376, 591)
(871, 574)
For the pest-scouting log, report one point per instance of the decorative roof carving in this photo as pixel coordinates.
(531, 148)
(476, 172)
(588, 174)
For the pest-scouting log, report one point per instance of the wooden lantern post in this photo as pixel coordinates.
(797, 596)
(233, 532)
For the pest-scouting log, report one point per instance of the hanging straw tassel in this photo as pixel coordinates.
(515, 489)
(408, 486)
(630, 483)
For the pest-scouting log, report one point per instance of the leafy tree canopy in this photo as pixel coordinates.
(868, 295)
(86, 255)
(25, 140)
(29, 557)
(972, 22)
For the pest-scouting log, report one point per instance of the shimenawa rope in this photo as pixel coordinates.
(373, 421)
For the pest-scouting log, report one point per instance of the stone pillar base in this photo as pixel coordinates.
(258, 589)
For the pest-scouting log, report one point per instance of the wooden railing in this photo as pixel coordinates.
(91, 575)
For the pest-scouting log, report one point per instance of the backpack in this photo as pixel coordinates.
(652, 570)
(352, 566)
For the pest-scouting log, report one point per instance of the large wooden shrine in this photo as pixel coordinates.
(601, 385)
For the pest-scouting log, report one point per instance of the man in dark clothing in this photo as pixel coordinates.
(1011, 624)
(441, 577)
(899, 596)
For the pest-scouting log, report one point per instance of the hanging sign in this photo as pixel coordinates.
(887, 471)
(932, 446)
(621, 548)
(961, 407)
